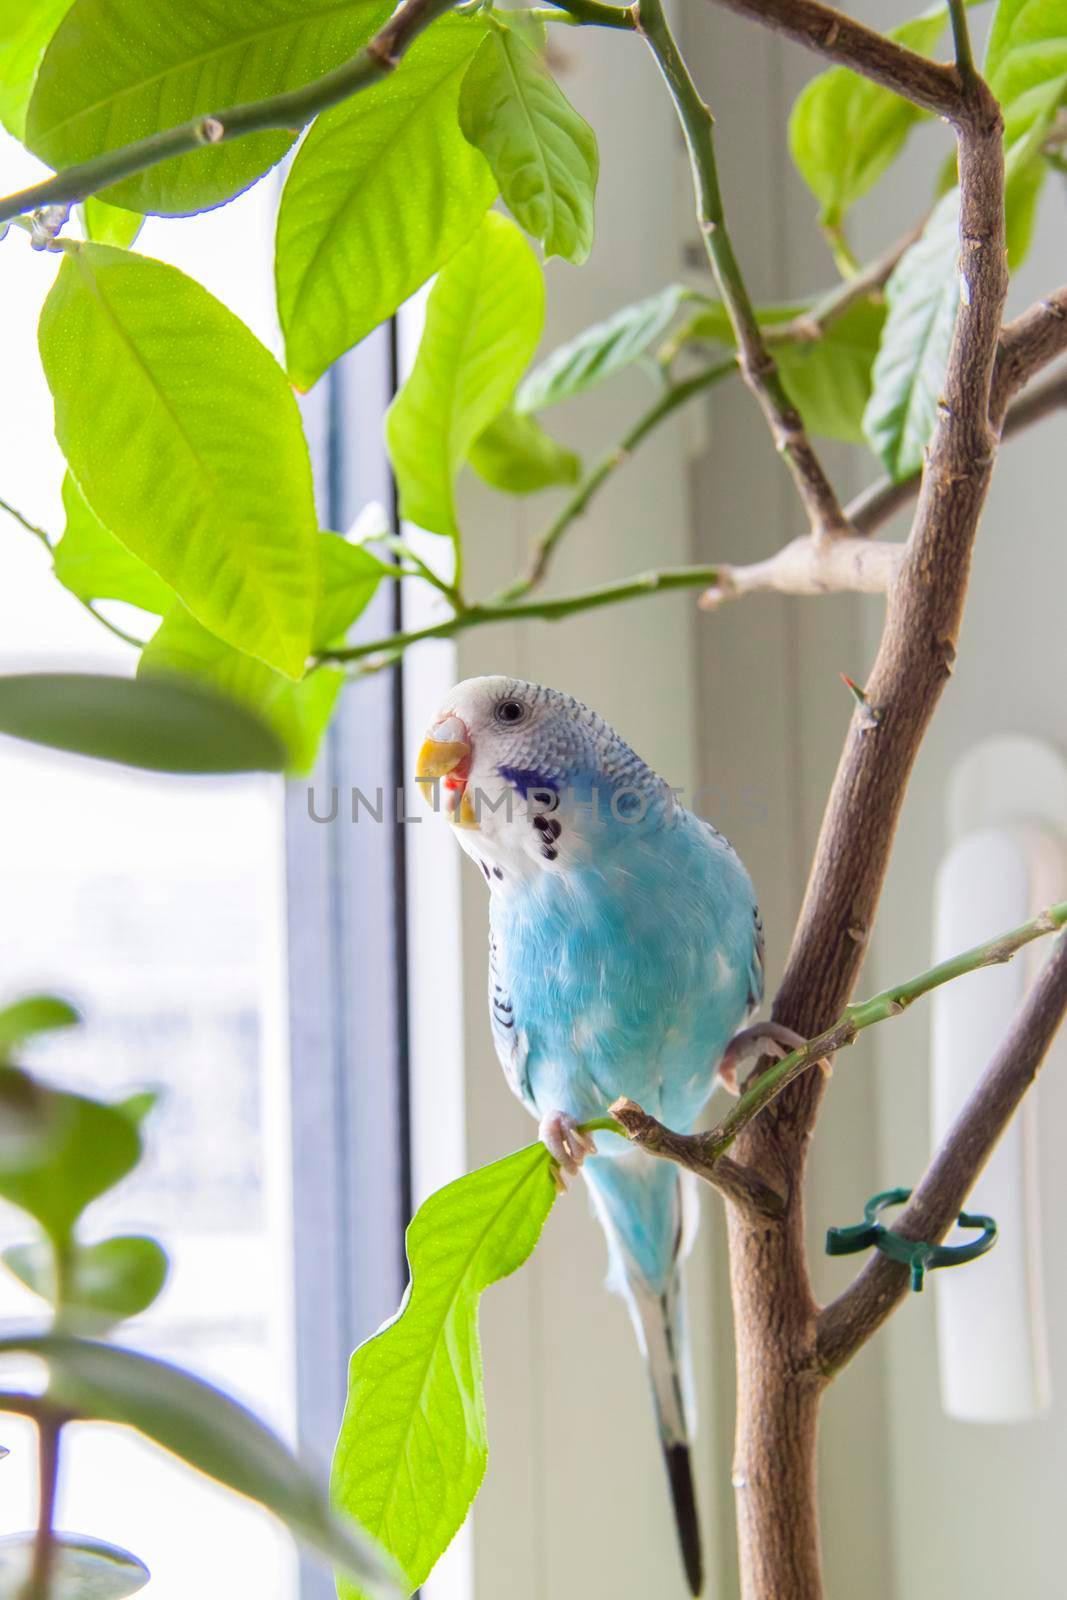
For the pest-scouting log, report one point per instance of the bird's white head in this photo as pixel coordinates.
(528, 775)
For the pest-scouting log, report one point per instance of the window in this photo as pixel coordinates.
(175, 913)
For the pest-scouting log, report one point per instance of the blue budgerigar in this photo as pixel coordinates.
(625, 952)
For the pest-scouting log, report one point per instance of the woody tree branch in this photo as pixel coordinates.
(847, 43)
(779, 1376)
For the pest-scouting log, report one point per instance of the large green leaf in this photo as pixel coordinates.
(163, 727)
(91, 563)
(35, 1013)
(599, 351)
(516, 454)
(921, 296)
(543, 154)
(412, 1449)
(1026, 64)
(210, 1432)
(93, 1147)
(106, 224)
(483, 323)
(82, 1568)
(827, 379)
(30, 1120)
(382, 191)
(186, 441)
(118, 70)
(297, 713)
(103, 1283)
(845, 131)
(1026, 67)
(350, 576)
(25, 29)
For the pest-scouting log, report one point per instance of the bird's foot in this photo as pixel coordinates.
(566, 1144)
(762, 1039)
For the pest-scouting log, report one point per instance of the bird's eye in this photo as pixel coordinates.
(510, 711)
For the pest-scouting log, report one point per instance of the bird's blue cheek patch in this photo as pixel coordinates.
(533, 785)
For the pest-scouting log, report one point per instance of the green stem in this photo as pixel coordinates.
(864, 1013)
(609, 463)
(292, 111)
(757, 365)
(961, 40)
(583, 13)
(30, 527)
(476, 616)
(49, 1431)
(88, 605)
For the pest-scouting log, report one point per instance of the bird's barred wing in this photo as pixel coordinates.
(755, 976)
(508, 1037)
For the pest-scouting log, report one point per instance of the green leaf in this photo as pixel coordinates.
(30, 1120)
(104, 1283)
(119, 70)
(297, 713)
(92, 564)
(412, 1449)
(186, 441)
(82, 1568)
(1026, 65)
(1022, 190)
(483, 322)
(600, 351)
(210, 1432)
(105, 224)
(827, 379)
(543, 154)
(25, 29)
(92, 1148)
(382, 191)
(921, 298)
(845, 131)
(163, 727)
(35, 1013)
(350, 576)
(516, 454)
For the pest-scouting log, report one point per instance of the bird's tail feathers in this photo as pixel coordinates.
(659, 1319)
(640, 1201)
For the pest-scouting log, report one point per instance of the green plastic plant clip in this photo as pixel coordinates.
(914, 1254)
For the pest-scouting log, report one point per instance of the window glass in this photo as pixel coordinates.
(157, 906)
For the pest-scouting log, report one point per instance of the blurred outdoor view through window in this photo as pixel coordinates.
(157, 906)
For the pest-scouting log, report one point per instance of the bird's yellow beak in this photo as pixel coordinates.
(445, 753)
(439, 757)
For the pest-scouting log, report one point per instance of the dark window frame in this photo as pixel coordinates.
(347, 964)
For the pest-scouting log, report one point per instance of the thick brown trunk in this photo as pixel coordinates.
(779, 1385)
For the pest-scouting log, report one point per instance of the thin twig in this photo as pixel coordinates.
(545, 544)
(49, 1432)
(292, 111)
(961, 40)
(24, 522)
(548, 610)
(848, 43)
(846, 1324)
(87, 605)
(583, 13)
(1027, 344)
(701, 1151)
(757, 365)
